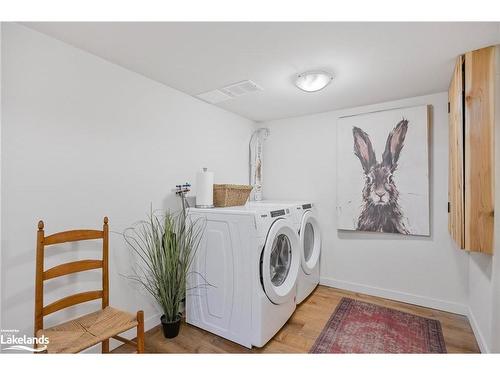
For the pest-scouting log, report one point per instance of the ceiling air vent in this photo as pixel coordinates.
(214, 96)
(232, 91)
(241, 88)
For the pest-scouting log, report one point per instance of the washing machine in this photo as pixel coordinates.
(242, 283)
(307, 226)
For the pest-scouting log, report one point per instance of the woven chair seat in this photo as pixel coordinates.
(88, 330)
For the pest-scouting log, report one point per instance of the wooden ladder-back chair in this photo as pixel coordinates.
(88, 330)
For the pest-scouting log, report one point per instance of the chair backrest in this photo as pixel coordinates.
(69, 268)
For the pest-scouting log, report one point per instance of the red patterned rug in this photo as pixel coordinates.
(361, 327)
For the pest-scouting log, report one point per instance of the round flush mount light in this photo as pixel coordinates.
(313, 80)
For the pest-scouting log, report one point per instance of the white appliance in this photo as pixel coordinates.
(242, 284)
(307, 226)
(310, 239)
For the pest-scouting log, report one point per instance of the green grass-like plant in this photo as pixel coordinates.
(165, 246)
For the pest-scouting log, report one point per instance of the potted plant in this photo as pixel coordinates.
(165, 246)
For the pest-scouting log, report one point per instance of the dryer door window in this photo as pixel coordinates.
(310, 238)
(280, 262)
(308, 241)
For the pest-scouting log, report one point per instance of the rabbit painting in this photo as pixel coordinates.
(382, 171)
(380, 209)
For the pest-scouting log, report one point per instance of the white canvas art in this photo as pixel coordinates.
(383, 171)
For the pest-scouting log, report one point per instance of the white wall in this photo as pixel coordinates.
(0, 174)
(481, 298)
(484, 270)
(83, 138)
(300, 163)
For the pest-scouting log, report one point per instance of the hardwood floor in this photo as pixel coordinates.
(300, 332)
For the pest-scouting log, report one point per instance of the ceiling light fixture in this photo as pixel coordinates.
(313, 80)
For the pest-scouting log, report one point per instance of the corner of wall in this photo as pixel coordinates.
(476, 329)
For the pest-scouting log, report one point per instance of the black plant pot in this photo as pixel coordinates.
(170, 329)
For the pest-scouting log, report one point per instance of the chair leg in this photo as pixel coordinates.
(105, 347)
(140, 332)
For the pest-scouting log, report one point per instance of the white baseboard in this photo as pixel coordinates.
(483, 346)
(414, 299)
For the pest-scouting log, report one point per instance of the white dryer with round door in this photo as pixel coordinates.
(310, 239)
(307, 226)
(243, 280)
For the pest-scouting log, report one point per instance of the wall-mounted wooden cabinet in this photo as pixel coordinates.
(471, 116)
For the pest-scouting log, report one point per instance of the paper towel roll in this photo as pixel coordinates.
(205, 189)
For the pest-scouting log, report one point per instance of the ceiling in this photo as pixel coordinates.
(371, 62)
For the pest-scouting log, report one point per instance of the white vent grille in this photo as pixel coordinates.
(214, 96)
(241, 88)
(232, 91)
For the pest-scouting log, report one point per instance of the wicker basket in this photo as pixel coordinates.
(231, 195)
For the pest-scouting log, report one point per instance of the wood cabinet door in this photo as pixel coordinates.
(455, 170)
(479, 149)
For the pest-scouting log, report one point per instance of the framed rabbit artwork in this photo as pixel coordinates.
(383, 171)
